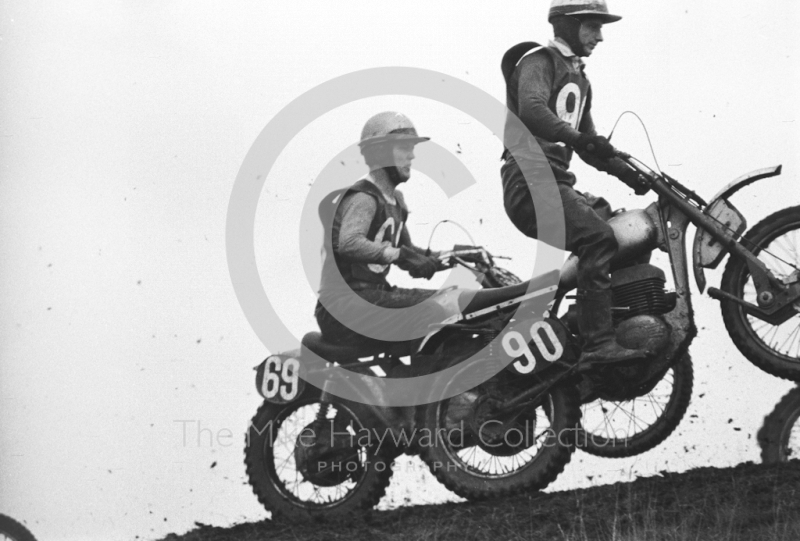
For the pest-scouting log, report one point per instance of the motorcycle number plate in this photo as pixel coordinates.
(280, 379)
(533, 344)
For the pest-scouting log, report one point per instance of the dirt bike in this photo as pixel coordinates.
(11, 530)
(520, 426)
(779, 436)
(332, 477)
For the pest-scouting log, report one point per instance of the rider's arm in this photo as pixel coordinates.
(534, 90)
(405, 240)
(614, 166)
(358, 209)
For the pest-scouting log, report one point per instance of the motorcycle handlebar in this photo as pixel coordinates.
(627, 158)
(469, 255)
(635, 164)
(653, 177)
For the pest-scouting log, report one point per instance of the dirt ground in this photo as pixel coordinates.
(747, 502)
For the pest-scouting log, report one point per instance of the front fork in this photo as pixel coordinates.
(674, 224)
(774, 297)
(370, 407)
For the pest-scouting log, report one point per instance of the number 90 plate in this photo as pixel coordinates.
(279, 379)
(535, 344)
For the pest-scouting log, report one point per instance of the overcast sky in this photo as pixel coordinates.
(125, 360)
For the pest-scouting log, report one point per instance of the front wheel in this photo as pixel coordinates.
(779, 437)
(479, 455)
(620, 429)
(773, 348)
(306, 460)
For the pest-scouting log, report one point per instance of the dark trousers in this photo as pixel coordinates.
(586, 232)
(397, 323)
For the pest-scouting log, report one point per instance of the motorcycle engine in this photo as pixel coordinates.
(638, 290)
(638, 299)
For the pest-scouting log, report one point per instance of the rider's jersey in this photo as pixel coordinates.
(386, 226)
(550, 93)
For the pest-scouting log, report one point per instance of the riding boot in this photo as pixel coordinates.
(597, 330)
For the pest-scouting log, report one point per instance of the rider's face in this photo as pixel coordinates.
(403, 156)
(590, 34)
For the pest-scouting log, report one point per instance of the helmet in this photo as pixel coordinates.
(389, 126)
(593, 8)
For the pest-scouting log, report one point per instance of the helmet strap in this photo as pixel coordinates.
(568, 27)
(394, 176)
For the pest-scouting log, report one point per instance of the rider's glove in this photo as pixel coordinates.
(636, 181)
(596, 145)
(417, 265)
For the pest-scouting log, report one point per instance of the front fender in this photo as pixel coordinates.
(706, 251)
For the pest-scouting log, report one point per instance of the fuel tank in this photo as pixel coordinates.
(638, 232)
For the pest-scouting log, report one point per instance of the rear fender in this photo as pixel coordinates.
(707, 252)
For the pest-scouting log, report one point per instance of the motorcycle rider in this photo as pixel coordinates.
(365, 235)
(547, 89)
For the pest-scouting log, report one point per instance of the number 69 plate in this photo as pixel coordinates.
(279, 379)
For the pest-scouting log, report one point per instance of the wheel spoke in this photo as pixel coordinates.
(790, 339)
(629, 427)
(655, 405)
(758, 324)
(483, 461)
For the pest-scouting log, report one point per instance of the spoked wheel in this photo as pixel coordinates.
(11, 530)
(305, 464)
(478, 455)
(620, 429)
(773, 348)
(779, 437)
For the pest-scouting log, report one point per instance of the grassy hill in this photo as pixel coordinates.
(747, 502)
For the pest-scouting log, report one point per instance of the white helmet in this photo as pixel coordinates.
(593, 8)
(389, 126)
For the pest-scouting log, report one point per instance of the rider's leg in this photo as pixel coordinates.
(395, 324)
(593, 241)
(604, 210)
(588, 236)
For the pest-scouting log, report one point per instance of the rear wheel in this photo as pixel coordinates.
(11, 530)
(779, 437)
(305, 460)
(773, 348)
(613, 429)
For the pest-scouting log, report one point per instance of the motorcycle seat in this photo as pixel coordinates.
(489, 297)
(337, 353)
